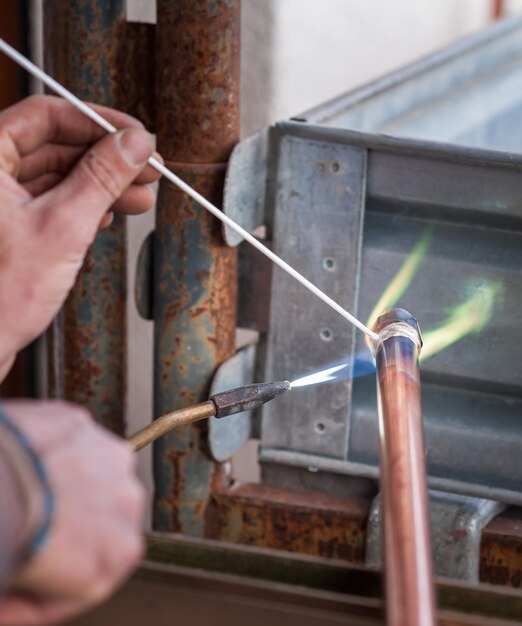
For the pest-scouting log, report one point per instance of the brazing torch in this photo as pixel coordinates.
(219, 405)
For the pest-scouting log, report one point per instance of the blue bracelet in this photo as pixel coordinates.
(41, 533)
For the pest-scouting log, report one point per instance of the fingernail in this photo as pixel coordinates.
(136, 145)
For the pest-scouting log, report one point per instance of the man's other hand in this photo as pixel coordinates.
(95, 536)
(61, 176)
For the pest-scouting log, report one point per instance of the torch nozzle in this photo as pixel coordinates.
(220, 404)
(248, 397)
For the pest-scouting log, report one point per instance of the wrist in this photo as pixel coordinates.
(29, 505)
(12, 515)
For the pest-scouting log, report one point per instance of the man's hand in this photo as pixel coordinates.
(95, 535)
(60, 174)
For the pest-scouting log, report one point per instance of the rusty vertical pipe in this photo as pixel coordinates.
(497, 9)
(90, 48)
(197, 117)
(407, 545)
(88, 340)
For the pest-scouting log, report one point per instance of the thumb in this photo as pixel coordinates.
(98, 180)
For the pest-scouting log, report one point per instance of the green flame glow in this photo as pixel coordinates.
(469, 317)
(402, 280)
(466, 318)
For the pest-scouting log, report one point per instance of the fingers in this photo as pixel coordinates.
(84, 556)
(107, 220)
(135, 200)
(47, 119)
(49, 159)
(43, 183)
(76, 205)
(54, 158)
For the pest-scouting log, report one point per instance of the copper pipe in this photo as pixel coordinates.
(169, 421)
(407, 545)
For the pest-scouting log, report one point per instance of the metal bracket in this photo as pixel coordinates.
(456, 522)
(246, 185)
(228, 434)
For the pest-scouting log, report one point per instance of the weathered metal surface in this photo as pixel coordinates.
(195, 305)
(320, 195)
(100, 56)
(228, 434)
(91, 49)
(197, 114)
(295, 521)
(311, 573)
(501, 550)
(88, 346)
(473, 222)
(254, 281)
(457, 523)
(467, 93)
(247, 186)
(197, 56)
(278, 469)
(143, 287)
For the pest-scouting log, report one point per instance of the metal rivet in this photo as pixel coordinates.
(326, 334)
(329, 264)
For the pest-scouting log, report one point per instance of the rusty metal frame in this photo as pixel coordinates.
(194, 581)
(261, 182)
(196, 44)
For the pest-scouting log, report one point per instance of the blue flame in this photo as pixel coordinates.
(363, 364)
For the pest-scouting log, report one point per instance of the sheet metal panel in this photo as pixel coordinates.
(319, 192)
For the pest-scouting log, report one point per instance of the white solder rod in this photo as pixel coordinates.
(169, 175)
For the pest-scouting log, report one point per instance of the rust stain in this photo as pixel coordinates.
(197, 126)
(198, 311)
(92, 50)
(285, 519)
(177, 459)
(501, 550)
(202, 274)
(198, 87)
(188, 397)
